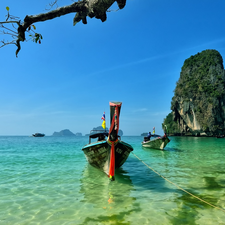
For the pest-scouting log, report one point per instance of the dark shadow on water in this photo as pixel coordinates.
(167, 149)
(145, 178)
(173, 149)
(188, 210)
(212, 183)
(187, 206)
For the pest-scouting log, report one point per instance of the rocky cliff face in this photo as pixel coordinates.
(198, 104)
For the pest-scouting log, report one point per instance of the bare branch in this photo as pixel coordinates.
(6, 43)
(9, 22)
(15, 33)
(5, 33)
(52, 4)
(7, 16)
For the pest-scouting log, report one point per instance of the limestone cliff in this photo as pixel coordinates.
(198, 104)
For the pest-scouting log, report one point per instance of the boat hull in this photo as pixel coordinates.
(157, 143)
(98, 154)
(38, 135)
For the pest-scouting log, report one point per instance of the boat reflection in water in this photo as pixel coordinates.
(107, 195)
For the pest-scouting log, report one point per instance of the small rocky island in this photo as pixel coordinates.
(198, 104)
(65, 133)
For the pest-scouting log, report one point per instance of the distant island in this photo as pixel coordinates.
(100, 129)
(65, 133)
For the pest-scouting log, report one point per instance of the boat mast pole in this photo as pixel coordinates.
(105, 122)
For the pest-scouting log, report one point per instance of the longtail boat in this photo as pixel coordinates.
(109, 152)
(159, 142)
(38, 135)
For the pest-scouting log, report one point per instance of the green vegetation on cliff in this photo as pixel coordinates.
(200, 75)
(169, 125)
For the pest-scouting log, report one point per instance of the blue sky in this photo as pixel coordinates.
(134, 57)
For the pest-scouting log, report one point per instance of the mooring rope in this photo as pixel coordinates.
(177, 185)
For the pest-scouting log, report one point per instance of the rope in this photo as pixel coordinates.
(178, 186)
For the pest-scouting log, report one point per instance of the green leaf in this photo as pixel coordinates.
(7, 8)
(34, 27)
(36, 39)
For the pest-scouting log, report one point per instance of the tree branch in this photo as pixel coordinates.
(9, 22)
(84, 8)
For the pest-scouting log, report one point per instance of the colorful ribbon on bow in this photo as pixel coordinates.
(115, 123)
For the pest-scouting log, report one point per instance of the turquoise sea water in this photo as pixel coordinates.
(48, 181)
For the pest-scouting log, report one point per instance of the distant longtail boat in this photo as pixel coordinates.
(159, 142)
(38, 135)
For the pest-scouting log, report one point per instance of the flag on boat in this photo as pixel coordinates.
(153, 130)
(103, 122)
(103, 116)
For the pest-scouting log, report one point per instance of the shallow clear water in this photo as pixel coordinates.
(48, 181)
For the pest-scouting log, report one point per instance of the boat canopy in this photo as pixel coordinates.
(96, 135)
(100, 135)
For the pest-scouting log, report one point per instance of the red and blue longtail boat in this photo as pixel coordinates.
(108, 152)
